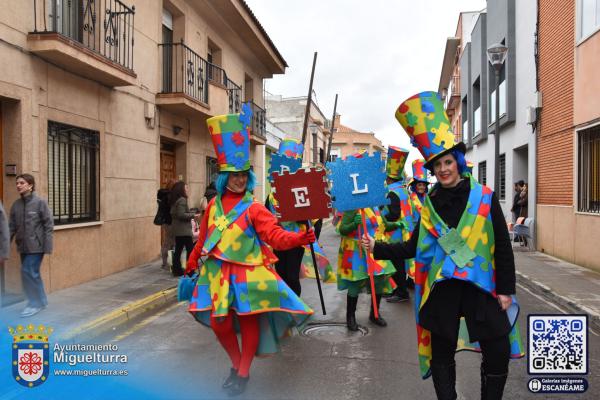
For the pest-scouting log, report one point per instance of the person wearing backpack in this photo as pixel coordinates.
(163, 219)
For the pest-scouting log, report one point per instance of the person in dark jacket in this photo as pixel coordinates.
(181, 224)
(31, 224)
(4, 236)
(516, 207)
(465, 265)
(163, 218)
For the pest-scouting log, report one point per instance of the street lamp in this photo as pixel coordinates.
(496, 55)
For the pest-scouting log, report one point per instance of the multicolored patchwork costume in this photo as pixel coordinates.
(352, 267)
(441, 256)
(408, 219)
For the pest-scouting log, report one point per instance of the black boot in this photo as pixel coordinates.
(230, 379)
(492, 385)
(239, 386)
(350, 313)
(444, 381)
(377, 321)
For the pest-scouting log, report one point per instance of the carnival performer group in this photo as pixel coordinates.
(450, 240)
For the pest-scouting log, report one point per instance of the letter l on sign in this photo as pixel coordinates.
(356, 189)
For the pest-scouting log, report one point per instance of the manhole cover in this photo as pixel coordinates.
(333, 332)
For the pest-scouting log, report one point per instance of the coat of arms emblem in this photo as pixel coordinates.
(30, 354)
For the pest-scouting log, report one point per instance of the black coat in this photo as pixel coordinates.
(453, 298)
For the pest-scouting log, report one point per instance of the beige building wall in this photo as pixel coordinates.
(34, 90)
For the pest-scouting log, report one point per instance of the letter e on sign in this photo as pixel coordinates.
(300, 195)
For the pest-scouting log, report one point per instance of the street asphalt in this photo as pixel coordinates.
(182, 359)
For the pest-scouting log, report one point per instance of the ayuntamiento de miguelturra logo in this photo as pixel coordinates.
(30, 354)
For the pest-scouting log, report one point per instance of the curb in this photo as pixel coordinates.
(120, 316)
(569, 304)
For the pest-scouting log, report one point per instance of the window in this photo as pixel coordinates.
(212, 170)
(73, 173)
(502, 161)
(476, 99)
(502, 87)
(589, 17)
(482, 171)
(465, 117)
(588, 191)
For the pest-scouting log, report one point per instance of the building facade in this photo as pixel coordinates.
(512, 23)
(568, 199)
(287, 114)
(449, 85)
(105, 101)
(347, 141)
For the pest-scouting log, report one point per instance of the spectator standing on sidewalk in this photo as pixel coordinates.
(31, 224)
(398, 216)
(163, 218)
(237, 286)
(466, 265)
(181, 224)
(4, 236)
(523, 200)
(516, 207)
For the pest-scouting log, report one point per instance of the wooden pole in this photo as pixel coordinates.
(370, 268)
(309, 100)
(331, 128)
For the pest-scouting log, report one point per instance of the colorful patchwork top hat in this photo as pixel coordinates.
(419, 171)
(291, 147)
(424, 119)
(231, 139)
(396, 158)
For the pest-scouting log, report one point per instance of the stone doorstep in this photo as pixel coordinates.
(129, 313)
(567, 303)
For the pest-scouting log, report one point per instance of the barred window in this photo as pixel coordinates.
(588, 194)
(502, 161)
(482, 172)
(73, 173)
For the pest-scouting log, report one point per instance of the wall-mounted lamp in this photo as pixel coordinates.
(176, 130)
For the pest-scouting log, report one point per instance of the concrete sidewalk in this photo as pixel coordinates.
(571, 287)
(85, 311)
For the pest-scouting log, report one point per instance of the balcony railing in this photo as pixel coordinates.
(104, 26)
(217, 74)
(259, 121)
(184, 71)
(453, 92)
(234, 93)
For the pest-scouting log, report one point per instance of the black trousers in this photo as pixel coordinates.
(400, 278)
(180, 243)
(496, 353)
(288, 267)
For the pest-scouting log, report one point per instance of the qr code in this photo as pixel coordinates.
(557, 344)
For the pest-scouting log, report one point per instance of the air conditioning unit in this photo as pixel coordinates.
(530, 115)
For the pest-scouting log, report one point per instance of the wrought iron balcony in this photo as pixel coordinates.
(259, 123)
(184, 72)
(95, 27)
(234, 93)
(453, 96)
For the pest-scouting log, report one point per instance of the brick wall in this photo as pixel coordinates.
(556, 75)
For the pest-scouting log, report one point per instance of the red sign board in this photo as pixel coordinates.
(301, 195)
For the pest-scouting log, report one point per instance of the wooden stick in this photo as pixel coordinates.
(331, 128)
(370, 267)
(309, 100)
(314, 258)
